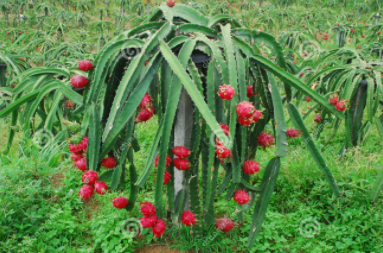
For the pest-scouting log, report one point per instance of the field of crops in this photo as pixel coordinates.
(206, 126)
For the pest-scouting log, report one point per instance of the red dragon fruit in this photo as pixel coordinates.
(75, 157)
(148, 221)
(224, 224)
(81, 164)
(188, 218)
(89, 177)
(84, 143)
(85, 65)
(292, 133)
(108, 162)
(256, 116)
(241, 197)
(168, 161)
(181, 152)
(73, 148)
(225, 129)
(308, 99)
(226, 92)
(222, 152)
(82, 146)
(159, 228)
(79, 81)
(145, 114)
(69, 104)
(333, 100)
(245, 122)
(341, 105)
(181, 164)
(317, 118)
(250, 167)
(250, 91)
(245, 109)
(265, 140)
(145, 102)
(120, 202)
(147, 208)
(85, 192)
(167, 177)
(171, 3)
(100, 187)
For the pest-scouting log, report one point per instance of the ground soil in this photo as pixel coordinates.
(158, 249)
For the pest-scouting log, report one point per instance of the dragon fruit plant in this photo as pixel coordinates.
(142, 73)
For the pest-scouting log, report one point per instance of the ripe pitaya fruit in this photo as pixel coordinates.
(148, 221)
(341, 105)
(292, 133)
(167, 177)
(108, 162)
(181, 164)
(85, 192)
(256, 116)
(84, 143)
(225, 129)
(265, 140)
(250, 167)
(245, 109)
(222, 152)
(69, 104)
(333, 100)
(317, 118)
(75, 157)
(100, 187)
(79, 81)
(250, 91)
(226, 92)
(168, 161)
(181, 152)
(147, 208)
(89, 177)
(241, 197)
(73, 148)
(120, 202)
(81, 164)
(145, 102)
(308, 99)
(245, 122)
(188, 218)
(145, 114)
(170, 3)
(224, 224)
(159, 228)
(82, 146)
(85, 65)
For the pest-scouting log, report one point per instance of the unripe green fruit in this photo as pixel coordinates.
(76, 139)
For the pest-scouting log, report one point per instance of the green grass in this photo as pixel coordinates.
(42, 213)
